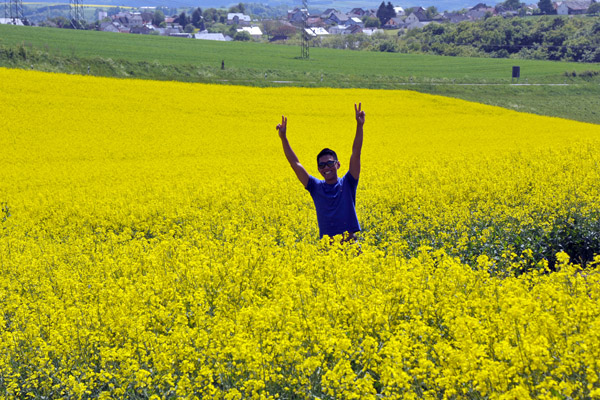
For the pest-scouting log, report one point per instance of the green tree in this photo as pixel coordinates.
(512, 4)
(182, 19)
(546, 7)
(189, 28)
(594, 8)
(242, 36)
(431, 12)
(197, 17)
(372, 22)
(389, 8)
(382, 13)
(158, 18)
(239, 8)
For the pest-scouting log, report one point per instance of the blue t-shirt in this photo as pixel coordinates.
(335, 204)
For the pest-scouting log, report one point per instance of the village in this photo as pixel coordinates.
(329, 22)
(242, 26)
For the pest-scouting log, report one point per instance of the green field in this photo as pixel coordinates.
(545, 87)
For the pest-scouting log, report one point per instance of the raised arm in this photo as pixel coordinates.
(358, 141)
(289, 153)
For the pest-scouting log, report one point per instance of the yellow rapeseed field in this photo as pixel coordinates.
(155, 243)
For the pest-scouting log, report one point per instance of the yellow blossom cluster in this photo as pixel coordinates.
(154, 243)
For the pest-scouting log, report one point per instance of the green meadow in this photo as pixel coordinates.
(567, 90)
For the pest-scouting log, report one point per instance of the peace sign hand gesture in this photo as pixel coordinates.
(360, 115)
(282, 127)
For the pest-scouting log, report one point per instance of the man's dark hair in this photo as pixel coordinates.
(327, 152)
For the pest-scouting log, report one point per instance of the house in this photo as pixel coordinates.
(327, 13)
(345, 30)
(399, 11)
(455, 18)
(395, 23)
(142, 30)
(181, 35)
(420, 15)
(135, 20)
(480, 6)
(357, 12)
(413, 21)
(355, 21)
(238, 19)
(371, 31)
(336, 18)
(316, 31)
(254, 31)
(172, 31)
(297, 15)
(573, 7)
(11, 21)
(480, 13)
(314, 20)
(204, 35)
(109, 27)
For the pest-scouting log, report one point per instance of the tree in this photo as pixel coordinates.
(158, 17)
(594, 8)
(391, 13)
(546, 7)
(182, 19)
(189, 28)
(382, 13)
(372, 22)
(512, 4)
(197, 18)
(242, 36)
(431, 12)
(238, 9)
(385, 12)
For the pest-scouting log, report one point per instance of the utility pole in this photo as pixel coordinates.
(305, 36)
(13, 9)
(76, 13)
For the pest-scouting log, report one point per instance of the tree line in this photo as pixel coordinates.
(554, 38)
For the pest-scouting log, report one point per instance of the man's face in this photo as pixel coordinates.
(328, 167)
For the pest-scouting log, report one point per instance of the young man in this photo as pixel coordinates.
(334, 197)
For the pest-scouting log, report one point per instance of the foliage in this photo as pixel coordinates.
(385, 12)
(549, 38)
(138, 262)
(158, 18)
(242, 36)
(372, 22)
(594, 8)
(546, 7)
(197, 19)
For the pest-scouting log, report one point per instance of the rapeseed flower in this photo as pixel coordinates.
(152, 248)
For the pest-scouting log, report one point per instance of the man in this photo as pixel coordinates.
(334, 197)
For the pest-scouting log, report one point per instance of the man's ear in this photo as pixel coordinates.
(337, 163)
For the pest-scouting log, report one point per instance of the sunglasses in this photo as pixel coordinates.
(329, 164)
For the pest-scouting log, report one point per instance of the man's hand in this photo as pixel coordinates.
(358, 141)
(360, 115)
(282, 127)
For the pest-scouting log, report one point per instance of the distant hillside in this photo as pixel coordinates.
(342, 5)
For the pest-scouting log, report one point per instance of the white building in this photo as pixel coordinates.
(254, 31)
(11, 21)
(238, 19)
(316, 31)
